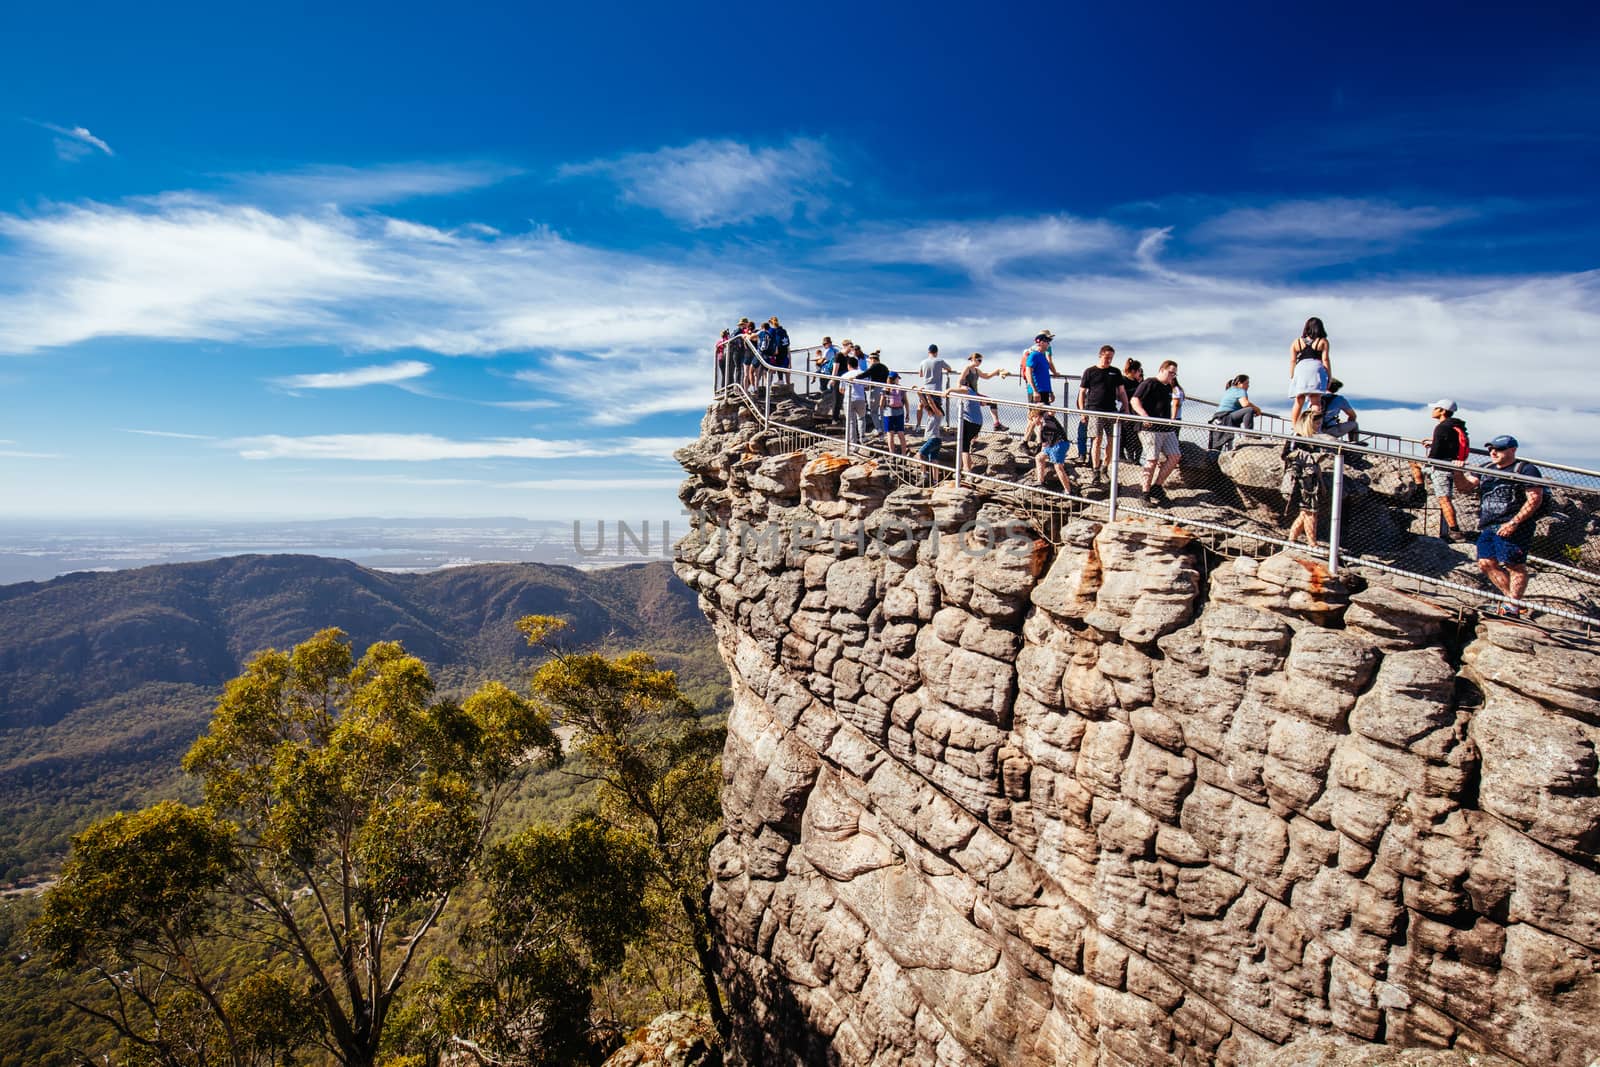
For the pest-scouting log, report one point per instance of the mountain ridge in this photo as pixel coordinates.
(105, 677)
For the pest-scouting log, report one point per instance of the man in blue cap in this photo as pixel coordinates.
(1506, 511)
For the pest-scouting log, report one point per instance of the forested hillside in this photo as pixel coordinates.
(106, 678)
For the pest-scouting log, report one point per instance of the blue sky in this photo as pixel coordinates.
(398, 259)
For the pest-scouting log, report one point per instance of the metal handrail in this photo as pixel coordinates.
(1189, 398)
(1338, 448)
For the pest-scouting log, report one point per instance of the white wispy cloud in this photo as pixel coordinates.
(195, 269)
(1333, 219)
(423, 447)
(632, 330)
(387, 374)
(722, 183)
(594, 485)
(74, 142)
(369, 186)
(172, 433)
(9, 453)
(982, 245)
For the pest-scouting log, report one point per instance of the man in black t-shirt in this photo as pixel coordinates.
(1102, 391)
(1153, 400)
(1507, 514)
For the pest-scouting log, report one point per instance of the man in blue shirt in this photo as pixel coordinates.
(1506, 510)
(1040, 368)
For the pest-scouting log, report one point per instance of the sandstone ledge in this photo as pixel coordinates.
(992, 800)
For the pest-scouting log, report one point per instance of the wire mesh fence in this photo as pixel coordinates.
(1245, 490)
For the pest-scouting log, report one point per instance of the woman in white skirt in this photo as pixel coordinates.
(1309, 366)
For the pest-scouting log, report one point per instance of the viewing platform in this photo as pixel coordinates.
(1372, 513)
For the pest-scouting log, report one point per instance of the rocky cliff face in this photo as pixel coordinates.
(994, 800)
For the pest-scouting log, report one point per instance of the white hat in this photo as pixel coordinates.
(1445, 405)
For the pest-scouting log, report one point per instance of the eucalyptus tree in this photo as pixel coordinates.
(343, 806)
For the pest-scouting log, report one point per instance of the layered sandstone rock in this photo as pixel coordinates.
(994, 800)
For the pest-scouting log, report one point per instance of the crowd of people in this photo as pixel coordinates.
(877, 405)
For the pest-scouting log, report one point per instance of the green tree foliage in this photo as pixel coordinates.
(342, 808)
(656, 769)
(562, 906)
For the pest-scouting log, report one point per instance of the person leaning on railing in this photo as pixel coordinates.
(824, 361)
(930, 401)
(1506, 511)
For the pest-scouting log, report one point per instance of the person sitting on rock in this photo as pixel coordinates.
(1506, 512)
(1234, 409)
(1338, 417)
(1302, 479)
(1053, 445)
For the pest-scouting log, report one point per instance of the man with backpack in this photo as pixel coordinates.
(780, 346)
(1507, 511)
(1449, 445)
(766, 340)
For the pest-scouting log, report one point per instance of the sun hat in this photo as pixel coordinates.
(1047, 335)
(1445, 405)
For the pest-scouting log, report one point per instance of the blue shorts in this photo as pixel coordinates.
(894, 421)
(1056, 453)
(1503, 550)
(930, 450)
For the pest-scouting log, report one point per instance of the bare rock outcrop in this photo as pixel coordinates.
(1111, 800)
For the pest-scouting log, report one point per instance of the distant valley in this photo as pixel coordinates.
(105, 678)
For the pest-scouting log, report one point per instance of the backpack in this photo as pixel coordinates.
(1463, 446)
(764, 342)
(1050, 431)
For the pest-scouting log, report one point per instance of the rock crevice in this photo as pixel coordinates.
(996, 800)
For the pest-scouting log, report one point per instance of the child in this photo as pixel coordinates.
(894, 415)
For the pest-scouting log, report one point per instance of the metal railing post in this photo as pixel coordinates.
(1114, 467)
(849, 417)
(766, 405)
(961, 427)
(1336, 512)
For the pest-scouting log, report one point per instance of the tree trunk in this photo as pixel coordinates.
(699, 927)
